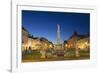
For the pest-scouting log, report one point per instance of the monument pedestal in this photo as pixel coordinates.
(77, 53)
(43, 53)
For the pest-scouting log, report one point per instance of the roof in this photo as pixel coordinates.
(24, 29)
(80, 36)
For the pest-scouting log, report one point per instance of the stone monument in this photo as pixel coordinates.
(58, 45)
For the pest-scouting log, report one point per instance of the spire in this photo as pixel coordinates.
(58, 34)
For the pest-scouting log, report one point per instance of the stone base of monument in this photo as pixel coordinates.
(77, 53)
(43, 54)
(65, 55)
(55, 56)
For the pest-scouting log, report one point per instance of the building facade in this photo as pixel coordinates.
(81, 42)
(34, 43)
(25, 35)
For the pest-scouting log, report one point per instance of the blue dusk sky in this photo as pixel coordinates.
(44, 24)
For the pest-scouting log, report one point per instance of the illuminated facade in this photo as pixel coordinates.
(81, 42)
(38, 43)
(24, 38)
(51, 46)
(71, 43)
(34, 43)
(65, 45)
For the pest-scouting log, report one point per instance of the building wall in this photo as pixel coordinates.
(83, 44)
(77, 42)
(24, 36)
(71, 42)
(24, 39)
(35, 44)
